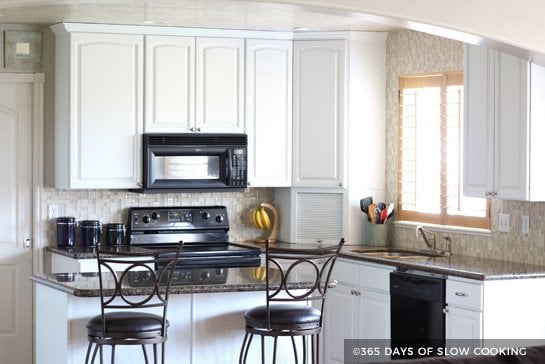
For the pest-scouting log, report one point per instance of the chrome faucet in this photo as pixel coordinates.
(429, 237)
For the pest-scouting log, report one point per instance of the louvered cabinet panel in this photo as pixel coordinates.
(311, 215)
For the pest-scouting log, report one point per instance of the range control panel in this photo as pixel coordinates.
(181, 277)
(178, 218)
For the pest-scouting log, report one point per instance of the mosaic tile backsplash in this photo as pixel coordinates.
(110, 206)
(410, 52)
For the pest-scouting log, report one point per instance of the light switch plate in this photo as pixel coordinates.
(525, 224)
(503, 223)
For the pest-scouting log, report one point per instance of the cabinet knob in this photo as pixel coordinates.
(340, 184)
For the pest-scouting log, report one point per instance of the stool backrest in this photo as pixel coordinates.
(115, 268)
(285, 266)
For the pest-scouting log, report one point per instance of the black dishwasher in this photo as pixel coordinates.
(417, 316)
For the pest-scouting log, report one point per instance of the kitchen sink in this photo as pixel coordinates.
(393, 253)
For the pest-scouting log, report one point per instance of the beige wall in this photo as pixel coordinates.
(410, 52)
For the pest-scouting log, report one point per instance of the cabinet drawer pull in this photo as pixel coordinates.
(461, 294)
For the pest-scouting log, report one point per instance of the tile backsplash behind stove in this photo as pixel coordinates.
(110, 206)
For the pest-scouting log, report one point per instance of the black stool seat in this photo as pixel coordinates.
(137, 323)
(283, 317)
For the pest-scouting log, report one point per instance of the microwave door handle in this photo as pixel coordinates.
(228, 167)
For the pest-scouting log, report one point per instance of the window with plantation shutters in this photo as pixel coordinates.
(430, 153)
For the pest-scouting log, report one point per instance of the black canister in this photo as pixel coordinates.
(115, 233)
(66, 231)
(89, 232)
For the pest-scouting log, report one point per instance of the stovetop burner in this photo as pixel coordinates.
(203, 229)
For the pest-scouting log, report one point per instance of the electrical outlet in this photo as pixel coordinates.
(53, 211)
(503, 223)
(525, 224)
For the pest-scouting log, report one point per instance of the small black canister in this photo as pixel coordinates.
(115, 233)
(66, 231)
(89, 232)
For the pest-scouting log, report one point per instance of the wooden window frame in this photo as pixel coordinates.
(442, 218)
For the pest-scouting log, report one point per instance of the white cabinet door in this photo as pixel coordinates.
(479, 102)
(464, 324)
(375, 315)
(170, 84)
(341, 321)
(269, 112)
(319, 97)
(220, 85)
(99, 110)
(511, 134)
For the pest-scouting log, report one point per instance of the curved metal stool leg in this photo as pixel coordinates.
(295, 356)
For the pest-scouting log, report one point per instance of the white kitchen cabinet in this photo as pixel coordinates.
(220, 85)
(503, 126)
(358, 308)
(170, 84)
(98, 109)
(464, 305)
(269, 112)
(311, 215)
(318, 113)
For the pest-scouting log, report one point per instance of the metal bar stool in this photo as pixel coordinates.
(284, 314)
(121, 321)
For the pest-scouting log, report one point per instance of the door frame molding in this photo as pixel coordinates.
(37, 153)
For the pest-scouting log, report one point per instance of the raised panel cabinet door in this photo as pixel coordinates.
(511, 133)
(463, 324)
(220, 85)
(269, 112)
(106, 91)
(341, 321)
(479, 153)
(319, 97)
(170, 84)
(375, 315)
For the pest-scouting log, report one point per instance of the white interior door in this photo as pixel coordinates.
(16, 115)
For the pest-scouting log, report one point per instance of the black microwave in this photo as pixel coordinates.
(196, 162)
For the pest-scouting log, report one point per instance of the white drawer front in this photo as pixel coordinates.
(344, 272)
(375, 277)
(464, 294)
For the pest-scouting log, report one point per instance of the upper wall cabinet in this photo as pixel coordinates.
(98, 110)
(194, 84)
(319, 97)
(170, 84)
(220, 85)
(268, 112)
(504, 114)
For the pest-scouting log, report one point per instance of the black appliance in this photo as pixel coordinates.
(194, 161)
(207, 252)
(417, 314)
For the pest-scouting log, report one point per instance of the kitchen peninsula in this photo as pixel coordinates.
(206, 321)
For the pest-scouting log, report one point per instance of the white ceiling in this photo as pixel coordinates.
(228, 14)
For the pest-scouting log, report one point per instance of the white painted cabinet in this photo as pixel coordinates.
(98, 109)
(464, 309)
(194, 84)
(503, 125)
(170, 84)
(318, 115)
(220, 85)
(358, 308)
(269, 112)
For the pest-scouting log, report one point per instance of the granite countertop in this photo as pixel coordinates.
(87, 284)
(455, 265)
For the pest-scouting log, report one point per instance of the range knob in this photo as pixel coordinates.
(155, 215)
(219, 219)
(219, 272)
(146, 219)
(205, 275)
(205, 215)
